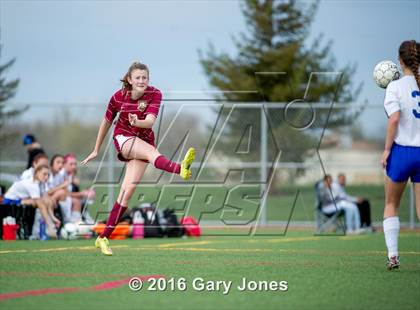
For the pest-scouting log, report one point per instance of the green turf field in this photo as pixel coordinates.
(321, 273)
(279, 204)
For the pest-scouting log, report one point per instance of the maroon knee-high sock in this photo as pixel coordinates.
(116, 213)
(161, 162)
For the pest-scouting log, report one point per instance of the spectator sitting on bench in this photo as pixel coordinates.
(59, 186)
(30, 192)
(55, 195)
(331, 203)
(78, 197)
(362, 203)
(40, 159)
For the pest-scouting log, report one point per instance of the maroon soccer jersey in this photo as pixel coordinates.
(121, 102)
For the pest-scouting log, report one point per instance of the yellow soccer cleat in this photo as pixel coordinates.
(186, 164)
(103, 244)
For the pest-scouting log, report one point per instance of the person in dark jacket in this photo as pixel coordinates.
(33, 148)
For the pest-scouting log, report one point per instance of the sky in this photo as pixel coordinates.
(74, 52)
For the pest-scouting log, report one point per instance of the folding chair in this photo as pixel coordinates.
(325, 221)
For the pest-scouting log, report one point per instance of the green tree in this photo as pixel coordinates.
(276, 41)
(7, 91)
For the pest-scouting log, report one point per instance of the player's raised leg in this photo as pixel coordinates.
(133, 173)
(139, 149)
(391, 224)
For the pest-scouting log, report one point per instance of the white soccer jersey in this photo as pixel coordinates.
(62, 175)
(24, 189)
(27, 174)
(57, 179)
(403, 95)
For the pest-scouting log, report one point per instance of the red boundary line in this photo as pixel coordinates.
(98, 287)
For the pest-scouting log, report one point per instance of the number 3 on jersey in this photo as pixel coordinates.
(415, 94)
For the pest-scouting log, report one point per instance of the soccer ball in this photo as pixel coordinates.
(72, 231)
(84, 230)
(385, 72)
(69, 231)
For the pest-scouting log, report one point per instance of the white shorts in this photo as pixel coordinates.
(121, 140)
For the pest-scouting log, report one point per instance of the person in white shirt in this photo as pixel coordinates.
(30, 192)
(401, 156)
(330, 203)
(362, 203)
(57, 180)
(55, 191)
(59, 187)
(40, 159)
(79, 198)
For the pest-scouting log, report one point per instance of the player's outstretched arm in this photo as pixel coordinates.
(146, 123)
(103, 130)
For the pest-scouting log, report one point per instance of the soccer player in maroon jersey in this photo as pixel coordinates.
(138, 106)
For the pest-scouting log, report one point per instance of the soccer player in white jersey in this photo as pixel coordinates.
(401, 157)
